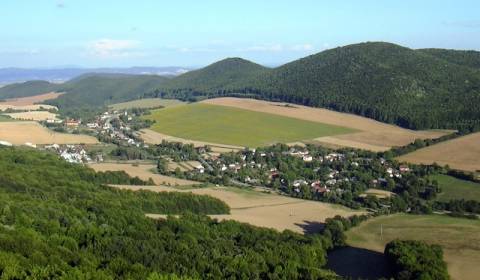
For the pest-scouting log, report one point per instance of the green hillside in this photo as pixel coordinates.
(103, 90)
(383, 81)
(227, 125)
(25, 89)
(465, 58)
(226, 74)
(60, 222)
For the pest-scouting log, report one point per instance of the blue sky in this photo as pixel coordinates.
(106, 33)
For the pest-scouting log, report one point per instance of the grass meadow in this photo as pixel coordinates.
(233, 126)
(459, 238)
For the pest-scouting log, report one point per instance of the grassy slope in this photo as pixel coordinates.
(453, 188)
(146, 103)
(459, 238)
(233, 126)
(29, 88)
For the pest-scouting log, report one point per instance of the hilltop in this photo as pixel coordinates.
(416, 89)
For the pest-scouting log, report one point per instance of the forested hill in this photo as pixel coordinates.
(229, 73)
(417, 89)
(465, 58)
(25, 89)
(58, 222)
(100, 90)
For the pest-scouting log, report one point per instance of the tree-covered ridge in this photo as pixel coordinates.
(26, 89)
(224, 74)
(386, 82)
(58, 222)
(464, 58)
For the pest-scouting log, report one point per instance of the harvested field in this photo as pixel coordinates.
(373, 135)
(265, 210)
(143, 171)
(146, 103)
(153, 137)
(31, 100)
(19, 133)
(38, 107)
(233, 126)
(460, 153)
(458, 237)
(33, 116)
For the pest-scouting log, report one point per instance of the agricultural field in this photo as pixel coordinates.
(453, 188)
(370, 134)
(378, 193)
(146, 103)
(31, 100)
(264, 209)
(461, 153)
(459, 238)
(33, 116)
(20, 132)
(233, 126)
(143, 171)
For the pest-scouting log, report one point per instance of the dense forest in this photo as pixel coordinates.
(416, 260)
(417, 89)
(59, 222)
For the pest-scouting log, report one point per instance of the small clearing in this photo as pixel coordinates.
(264, 209)
(143, 171)
(19, 133)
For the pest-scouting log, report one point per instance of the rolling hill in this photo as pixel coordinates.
(26, 89)
(412, 88)
(417, 89)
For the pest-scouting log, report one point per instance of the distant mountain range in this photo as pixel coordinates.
(417, 89)
(14, 75)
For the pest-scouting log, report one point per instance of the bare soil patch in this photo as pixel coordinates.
(143, 171)
(19, 133)
(374, 135)
(460, 153)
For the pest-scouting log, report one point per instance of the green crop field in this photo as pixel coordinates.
(453, 188)
(233, 126)
(459, 238)
(146, 103)
(4, 118)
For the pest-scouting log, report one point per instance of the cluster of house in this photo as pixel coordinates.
(103, 125)
(72, 153)
(331, 181)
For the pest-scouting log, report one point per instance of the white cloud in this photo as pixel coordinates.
(110, 48)
(265, 48)
(302, 47)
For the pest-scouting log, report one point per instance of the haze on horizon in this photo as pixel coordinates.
(52, 33)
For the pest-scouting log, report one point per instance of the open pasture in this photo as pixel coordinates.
(370, 134)
(18, 133)
(461, 153)
(146, 103)
(264, 209)
(233, 126)
(453, 188)
(459, 238)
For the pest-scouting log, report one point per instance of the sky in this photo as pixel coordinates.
(124, 33)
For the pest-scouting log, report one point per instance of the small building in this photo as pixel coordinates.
(72, 123)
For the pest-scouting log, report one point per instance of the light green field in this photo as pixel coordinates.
(453, 188)
(4, 118)
(146, 103)
(233, 126)
(459, 238)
